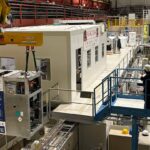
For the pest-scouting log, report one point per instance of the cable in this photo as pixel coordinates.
(33, 53)
(27, 58)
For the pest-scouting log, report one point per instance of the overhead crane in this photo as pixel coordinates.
(27, 39)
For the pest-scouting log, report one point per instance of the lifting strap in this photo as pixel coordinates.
(27, 58)
(34, 58)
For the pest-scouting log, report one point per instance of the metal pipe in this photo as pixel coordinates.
(135, 134)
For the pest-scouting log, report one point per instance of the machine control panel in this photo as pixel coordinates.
(23, 103)
(20, 103)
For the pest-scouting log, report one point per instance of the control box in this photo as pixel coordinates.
(23, 103)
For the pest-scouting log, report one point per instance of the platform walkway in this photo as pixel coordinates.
(81, 109)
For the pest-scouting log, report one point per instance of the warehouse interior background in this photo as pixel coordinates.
(74, 74)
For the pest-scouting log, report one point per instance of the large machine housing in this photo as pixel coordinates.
(23, 103)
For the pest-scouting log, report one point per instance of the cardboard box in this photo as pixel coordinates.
(119, 141)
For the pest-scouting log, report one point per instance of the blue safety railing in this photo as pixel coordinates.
(101, 92)
(126, 86)
(123, 83)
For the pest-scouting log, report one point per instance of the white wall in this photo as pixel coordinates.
(76, 42)
(55, 48)
(90, 74)
(130, 2)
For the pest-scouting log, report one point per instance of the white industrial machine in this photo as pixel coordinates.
(20, 103)
(73, 22)
(132, 38)
(72, 59)
(112, 41)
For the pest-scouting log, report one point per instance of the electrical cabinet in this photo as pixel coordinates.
(44, 66)
(23, 103)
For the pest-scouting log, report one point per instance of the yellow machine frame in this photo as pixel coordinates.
(4, 11)
(22, 38)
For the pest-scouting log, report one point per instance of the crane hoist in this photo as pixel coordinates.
(4, 11)
(27, 39)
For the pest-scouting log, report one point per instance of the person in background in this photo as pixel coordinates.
(146, 84)
(118, 44)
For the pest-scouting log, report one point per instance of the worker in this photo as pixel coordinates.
(118, 44)
(146, 85)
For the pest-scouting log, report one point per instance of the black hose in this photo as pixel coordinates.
(33, 53)
(27, 60)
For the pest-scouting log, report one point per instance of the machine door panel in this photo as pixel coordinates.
(17, 115)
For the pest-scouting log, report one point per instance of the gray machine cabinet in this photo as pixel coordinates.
(17, 124)
(23, 104)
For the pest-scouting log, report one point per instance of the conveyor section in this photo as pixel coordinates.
(55, 137)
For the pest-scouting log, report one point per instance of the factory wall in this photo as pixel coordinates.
(122, 3)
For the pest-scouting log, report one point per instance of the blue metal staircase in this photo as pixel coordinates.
(111, 94)
(103, 112)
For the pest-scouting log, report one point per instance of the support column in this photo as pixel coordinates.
(135, 134)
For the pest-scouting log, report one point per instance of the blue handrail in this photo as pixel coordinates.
(108, 89)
